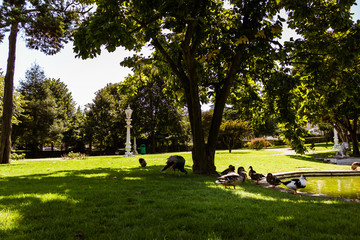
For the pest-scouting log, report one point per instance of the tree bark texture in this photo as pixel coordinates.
(344, 127)
(8, 105)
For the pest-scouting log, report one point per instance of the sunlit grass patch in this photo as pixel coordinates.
(9, 219)
(115, 198)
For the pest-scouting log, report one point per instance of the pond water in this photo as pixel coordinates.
(343, 187)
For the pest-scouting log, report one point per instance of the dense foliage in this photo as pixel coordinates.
(202, 43)
(212, 47)
(46, 26)
(227, 53)
(156, 121)
(48, 109)
(233, 131)
(327, 68)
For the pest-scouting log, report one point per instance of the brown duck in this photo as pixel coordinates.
(255, 176)
(272, 180)
(232, 178)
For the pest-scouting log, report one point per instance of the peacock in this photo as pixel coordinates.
(175, 162)
(232, 178)
(254, 175)
(142, 162)
(355, 165)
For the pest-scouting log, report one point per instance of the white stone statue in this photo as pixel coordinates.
(343, 152)
(336, 140)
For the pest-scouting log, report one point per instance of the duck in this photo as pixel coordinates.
(241, 171)
(295, 184)
(272, 180)
(232, 178)
(231, 168)
(254, 175)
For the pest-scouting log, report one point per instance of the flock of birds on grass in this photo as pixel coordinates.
(231, 178)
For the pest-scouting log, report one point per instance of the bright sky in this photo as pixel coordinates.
(82, 77)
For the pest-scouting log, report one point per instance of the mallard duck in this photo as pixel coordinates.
(295, 184)
(274, 181)
(232, 178)
(242, 171)
(175, 162)
(231, 168)
(255, 176)
(142, 162)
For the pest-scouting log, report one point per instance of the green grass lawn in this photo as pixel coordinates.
(114, 198)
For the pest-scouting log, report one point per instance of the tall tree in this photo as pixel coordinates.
(103, 118)
(39, 111)
(18, 102)
(232, 131)
(48, 110)
(326, 63)
(204, 43)
(64, 105)
(74, 135)
(47, 25)
(156, 114)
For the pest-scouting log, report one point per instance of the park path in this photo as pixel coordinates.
(289, 151)
(284, 151)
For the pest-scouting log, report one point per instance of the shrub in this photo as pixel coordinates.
(72, 155)
(315, 140)
(15, 156)
(258, 143)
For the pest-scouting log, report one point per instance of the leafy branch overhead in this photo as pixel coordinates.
(210, 48)
(46, 26)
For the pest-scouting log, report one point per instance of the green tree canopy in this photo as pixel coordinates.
(104, 119)
(326, 65)
(233, 131)
(207, 46)
(156, 115)
(46, 26)
(47, 110)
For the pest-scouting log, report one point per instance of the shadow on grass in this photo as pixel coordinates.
(242, 152)
(248, 152)
(313, 157)
(142, 203)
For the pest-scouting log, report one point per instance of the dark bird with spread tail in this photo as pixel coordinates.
(355, 165)
(175, 162)
(272, 180)
(142, 162)
(254, 175)
(232, 178)
(295, 184)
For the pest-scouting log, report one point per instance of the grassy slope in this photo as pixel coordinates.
(113, 198)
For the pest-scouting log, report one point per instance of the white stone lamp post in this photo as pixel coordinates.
(128, 119)
(135, 150)
(336, 140)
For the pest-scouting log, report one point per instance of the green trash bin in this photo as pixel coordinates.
(143, 149)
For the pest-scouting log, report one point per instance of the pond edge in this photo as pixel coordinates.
(283, 175)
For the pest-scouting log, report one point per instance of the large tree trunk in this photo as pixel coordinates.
(203, 154)
(353, 136)
(6, 127)
(344, 127)
(355, 143)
